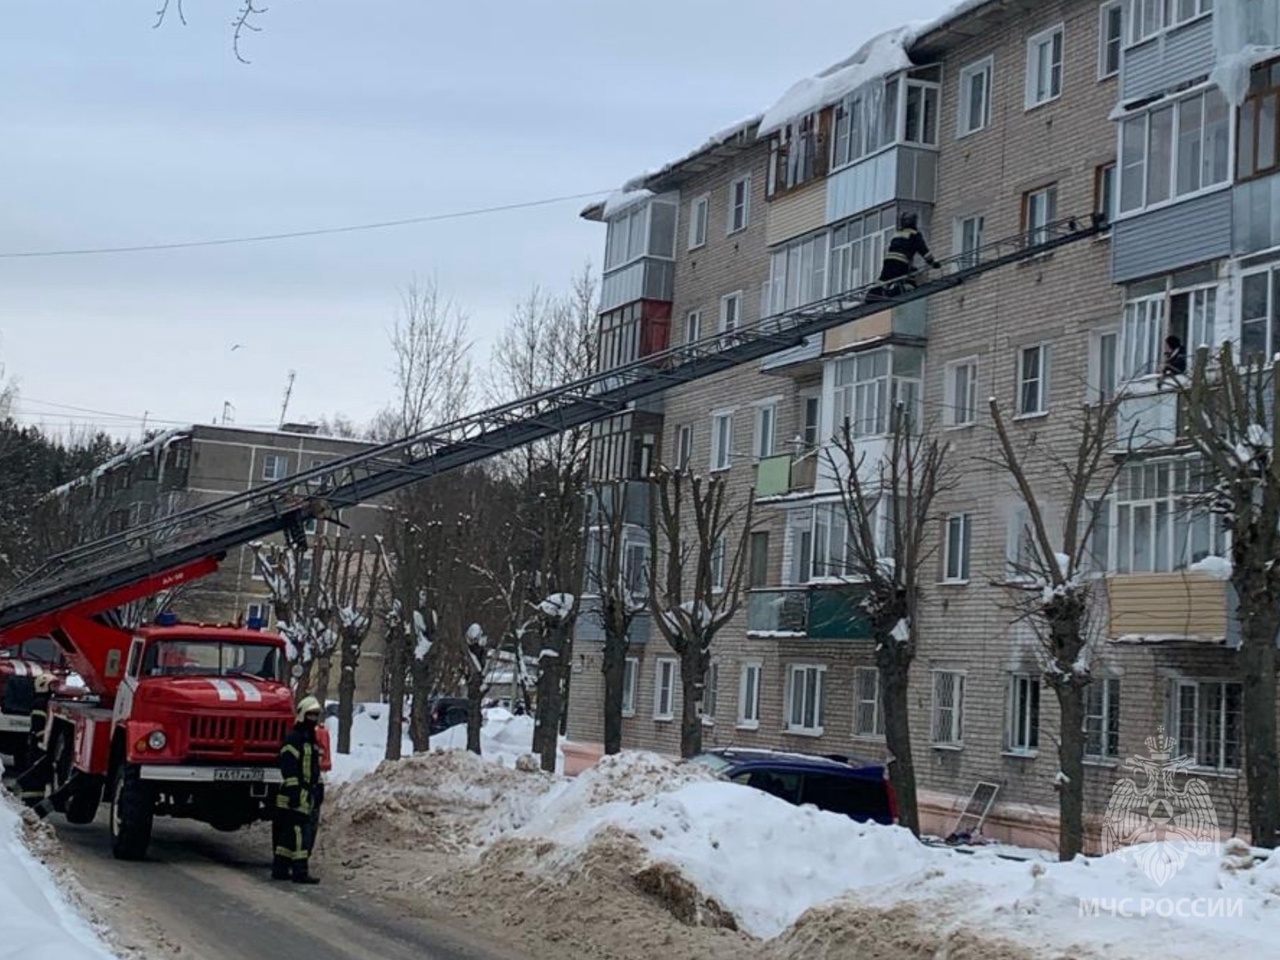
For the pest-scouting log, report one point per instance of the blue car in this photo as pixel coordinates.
(851, 786)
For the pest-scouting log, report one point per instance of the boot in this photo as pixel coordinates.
(305, 878)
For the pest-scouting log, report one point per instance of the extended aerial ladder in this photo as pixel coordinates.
(97, 577)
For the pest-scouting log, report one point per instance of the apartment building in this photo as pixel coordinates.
(990, 123)
(190, 466)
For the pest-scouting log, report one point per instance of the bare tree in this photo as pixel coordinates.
(622, 593)
(303, 609)
(357, 589)
(888, 508)
(1050, 584)
(433, 386)
(1229, 417)
(477, 661)
(698, 544)
(243, 22)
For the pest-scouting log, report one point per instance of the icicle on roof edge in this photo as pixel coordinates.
(159, 441)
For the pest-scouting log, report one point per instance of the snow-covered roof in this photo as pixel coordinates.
(880, 56)
(159, 442)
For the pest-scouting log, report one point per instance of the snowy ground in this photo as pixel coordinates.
(36, 921)
(503, 738)
(789, 874)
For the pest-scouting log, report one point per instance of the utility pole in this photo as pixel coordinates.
(288, 392)
(228, 413)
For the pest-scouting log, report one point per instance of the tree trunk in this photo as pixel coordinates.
(475, 701)
(614, 669)
(323, 667)
(395, 692)
(566, 681)
(546, 729)
(693, 673)
(347, 694)
(420, 707)
(1071, 765)
(302, 686)
(894, 662)
(1258, 673)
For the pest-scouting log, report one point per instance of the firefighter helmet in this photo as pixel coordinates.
(910, 221)
(308, 705)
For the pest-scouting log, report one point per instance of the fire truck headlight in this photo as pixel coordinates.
(157, 740)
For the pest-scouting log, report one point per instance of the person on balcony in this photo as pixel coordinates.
(898, 270)
(1175, 357)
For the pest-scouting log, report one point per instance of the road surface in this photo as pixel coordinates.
(205, 895)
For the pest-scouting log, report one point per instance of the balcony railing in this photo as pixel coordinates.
(814, 612)
(779, 476)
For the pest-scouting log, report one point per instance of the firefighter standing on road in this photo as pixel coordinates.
(293, 826)
(33, 780)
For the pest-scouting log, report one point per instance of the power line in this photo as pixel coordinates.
(298, 234)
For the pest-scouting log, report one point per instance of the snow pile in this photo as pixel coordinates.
(504, 738)
(368, 743)
(1218, 567)
(1244, 35)
(447, 799)
(558, 606)
(624, 199)
(36, 920)
(878, 57)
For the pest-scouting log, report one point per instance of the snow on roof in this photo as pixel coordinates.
(624, 199)
(159, 442)
(879, 57)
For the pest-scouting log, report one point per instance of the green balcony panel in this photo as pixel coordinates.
(773, 477)
(835, 613)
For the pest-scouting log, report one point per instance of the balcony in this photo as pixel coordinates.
(900, 173)
(632, 496)
(587, 627)
(785, 475)
(814, 612)
(1169, 607)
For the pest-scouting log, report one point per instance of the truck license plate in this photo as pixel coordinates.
(239, 775)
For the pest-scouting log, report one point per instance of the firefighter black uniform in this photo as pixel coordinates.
(293, 826)
(907, 244)
(33, 781)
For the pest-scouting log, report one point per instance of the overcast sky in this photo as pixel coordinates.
(351, 112)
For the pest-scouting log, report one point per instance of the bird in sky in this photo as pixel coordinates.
(236, 347)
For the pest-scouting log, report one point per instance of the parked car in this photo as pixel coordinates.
(448, 712)
(852, 786)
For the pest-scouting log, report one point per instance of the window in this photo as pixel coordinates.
(718, 569)
(1104, 190)
(1110, 39)
(730, 312)
(739, 204)
(630, 674)
(1192, 314)
(962, 393)
(1044, 67)
(1033, 380)
(626, 238)
(869, 385)
(797, 154)
(811, 411)
(1143, 337)
(1190, 301)
(959, 532)
(1039, 210)
(975, 97)
(699, 211)
(664, 689)
(1023, 722)
(693, 326)
(1020, 551)
(1102, 719)
(868, 710)
(1103, 359)
(684, 447)
(797, 274)
(968, 240)
(1209, 718)
(1163, 520)
(257, 614)
(311, 526)
(1097, 523)
(921, 117)
(804, 698)
(635, 569)
(866, 121)
(857, 250)
(1174, 150)
(275, 466)
(1148, 17)
(946, 721)
(758, 564)
(722, 440)
(709, 684)
(1260, 315)
(1258, 139)
(766, 429)
(749, 696)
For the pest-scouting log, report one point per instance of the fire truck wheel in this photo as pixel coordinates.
(83, 800)
(61, 766)
(132, 812)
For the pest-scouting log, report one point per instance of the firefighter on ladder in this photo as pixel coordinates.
(35, 778)
(294, 823)
(896, 274)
